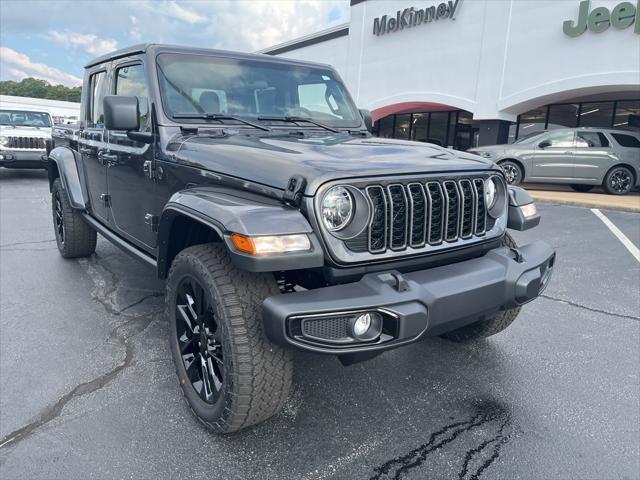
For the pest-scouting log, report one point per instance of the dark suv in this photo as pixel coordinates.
(252, 184)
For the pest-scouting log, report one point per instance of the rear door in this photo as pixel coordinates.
(554, 161)
(592, 156)
(92, 141)
(134, 204)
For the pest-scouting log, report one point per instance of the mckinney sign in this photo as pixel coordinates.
(412, 17)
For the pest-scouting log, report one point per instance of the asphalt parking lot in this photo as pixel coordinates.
(88, 389)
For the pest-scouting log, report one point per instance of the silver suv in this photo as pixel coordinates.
(581, 157)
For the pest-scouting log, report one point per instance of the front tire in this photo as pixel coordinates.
(491, 326)
(75, 237)
(231, 375)
(512, 172)
(618, 181)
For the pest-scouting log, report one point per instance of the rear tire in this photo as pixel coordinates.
(512, 172)
(581, 188)
(491, 326)
(618, 181)
(74, 237)
(231, 375)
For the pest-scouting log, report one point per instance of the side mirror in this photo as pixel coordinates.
(368, 121)
(544, 144)
(121, 113)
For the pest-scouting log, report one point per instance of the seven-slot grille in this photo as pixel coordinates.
(35, 143)
(416, 214)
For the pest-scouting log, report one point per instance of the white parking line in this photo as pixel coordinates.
(635, 251)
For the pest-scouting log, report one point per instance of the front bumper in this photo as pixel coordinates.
(23, 158)
(429, 301)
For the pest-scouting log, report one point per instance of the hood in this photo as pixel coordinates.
(272, 160)
(38, 132)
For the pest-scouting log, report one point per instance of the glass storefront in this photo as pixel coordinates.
(458, 130)
(624, 114)
(448, 129)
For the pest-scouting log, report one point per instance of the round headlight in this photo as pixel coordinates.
(490, 193)
(4, 141)
(336, 208)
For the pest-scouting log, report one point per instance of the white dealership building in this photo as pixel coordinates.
(474, 72)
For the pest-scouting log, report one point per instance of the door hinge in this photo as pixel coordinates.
(152, 221)
(106, 200)
(152, 171)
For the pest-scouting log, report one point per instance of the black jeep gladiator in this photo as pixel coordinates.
(253, 186)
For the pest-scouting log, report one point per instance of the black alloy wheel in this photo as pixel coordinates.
(58, 217)
(512, 172)
(199, 340)
(619, 181)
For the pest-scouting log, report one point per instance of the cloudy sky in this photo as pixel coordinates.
(53, 39)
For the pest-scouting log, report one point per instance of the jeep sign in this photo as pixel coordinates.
(412, 17)
(599, 19)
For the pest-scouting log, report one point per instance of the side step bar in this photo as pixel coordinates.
(120, 242)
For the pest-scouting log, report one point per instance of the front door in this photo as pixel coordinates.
(133, 192)
(91, 144)
(552, 157)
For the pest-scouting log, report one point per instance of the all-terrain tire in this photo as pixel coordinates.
(256, 374)
(75, 237)
(491, 326)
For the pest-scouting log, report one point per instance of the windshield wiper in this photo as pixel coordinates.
(288, 118)
(218, 116)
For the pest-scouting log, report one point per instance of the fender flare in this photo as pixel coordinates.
(225, 212)
(67, 161)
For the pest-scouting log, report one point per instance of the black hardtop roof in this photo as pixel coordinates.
(155, 48)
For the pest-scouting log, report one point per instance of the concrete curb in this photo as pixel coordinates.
(563, 198)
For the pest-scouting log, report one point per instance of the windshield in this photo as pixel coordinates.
(20, 118)
(196, 84)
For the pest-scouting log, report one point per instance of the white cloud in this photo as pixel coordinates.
(90, 43)
(172, 9)
(20, 65)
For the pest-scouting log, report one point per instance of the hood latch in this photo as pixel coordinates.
(294, 191)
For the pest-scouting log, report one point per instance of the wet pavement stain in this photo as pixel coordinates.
(476, 460)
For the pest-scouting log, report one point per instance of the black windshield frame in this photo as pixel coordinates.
(352, 118)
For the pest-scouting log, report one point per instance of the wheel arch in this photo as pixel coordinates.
(63, 163)
(207, 214)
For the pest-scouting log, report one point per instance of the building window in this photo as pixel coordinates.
(403, 126)
(563, 116)
(438, 128)
(532, 122)
(596, 114)
(627, 114)
(420, 129)
(385, 127)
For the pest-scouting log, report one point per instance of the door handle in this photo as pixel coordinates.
(107, 158)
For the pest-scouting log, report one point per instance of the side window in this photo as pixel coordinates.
(131, 82)
(95, 113)
(561, 139)
(628, 141)
(591, 139)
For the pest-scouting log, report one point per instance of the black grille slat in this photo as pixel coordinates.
(418, 218)
(481, 210)
(398, 216)
(334, 328)
(436, 201)
(378, 225)
(468, 208)
(453, 210)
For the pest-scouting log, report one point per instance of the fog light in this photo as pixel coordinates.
(366, 326)
(362, 324)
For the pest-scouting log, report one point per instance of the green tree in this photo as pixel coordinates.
(37, 88)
